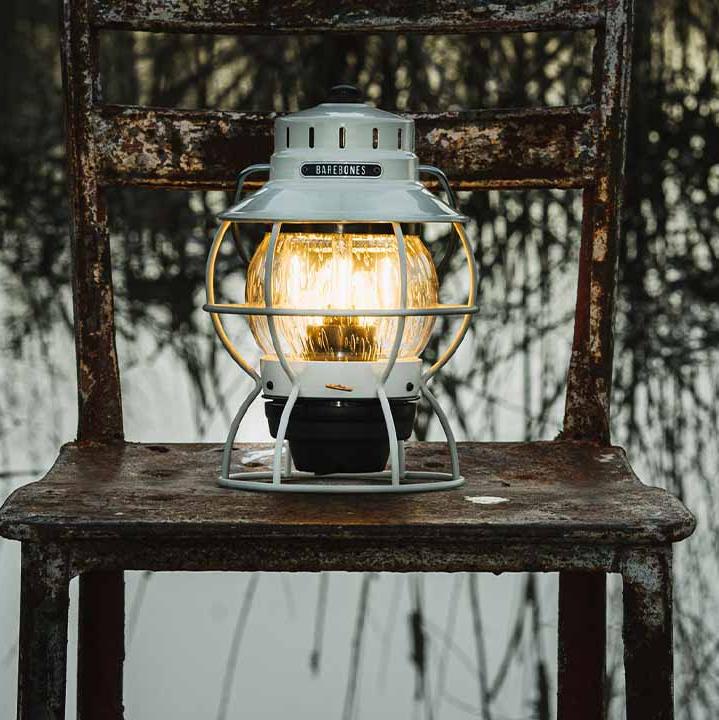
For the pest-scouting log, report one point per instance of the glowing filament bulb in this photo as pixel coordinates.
(342, 271)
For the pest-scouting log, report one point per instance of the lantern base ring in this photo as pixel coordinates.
(414, 481)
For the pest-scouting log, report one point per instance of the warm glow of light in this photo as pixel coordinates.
(341, 271)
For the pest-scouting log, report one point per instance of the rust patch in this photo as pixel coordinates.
(532, 147)
(560, 492)
(347, 16)
(590, 373)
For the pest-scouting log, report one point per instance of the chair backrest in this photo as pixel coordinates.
(566, 147)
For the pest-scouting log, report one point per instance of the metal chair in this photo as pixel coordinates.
(573, 505)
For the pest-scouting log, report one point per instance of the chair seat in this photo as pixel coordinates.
(559, 491)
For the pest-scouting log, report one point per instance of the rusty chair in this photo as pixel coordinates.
(575, 505)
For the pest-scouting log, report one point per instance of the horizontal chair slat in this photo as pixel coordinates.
(528, 147)
(349, 16)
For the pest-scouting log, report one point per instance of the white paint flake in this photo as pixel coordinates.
(485, 499)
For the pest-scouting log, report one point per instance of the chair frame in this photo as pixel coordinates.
(566, 147)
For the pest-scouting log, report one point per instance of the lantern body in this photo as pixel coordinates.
(341, 301)
(337, 271)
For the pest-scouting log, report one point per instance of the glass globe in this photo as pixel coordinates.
(337, 271)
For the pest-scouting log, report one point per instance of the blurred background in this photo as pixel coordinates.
(354, 646)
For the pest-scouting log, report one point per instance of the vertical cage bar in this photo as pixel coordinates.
(281, 432)
(446, 427)
(235, 426)
(392, 359)
(269, 263)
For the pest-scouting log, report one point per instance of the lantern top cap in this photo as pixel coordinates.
(344, 93)
(351, 111)
(343, 161)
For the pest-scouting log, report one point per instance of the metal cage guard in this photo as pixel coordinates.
(401, 479)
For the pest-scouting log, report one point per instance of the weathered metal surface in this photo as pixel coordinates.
(101, 645)
(648, 662)
(529, 147)
(565, 492)
(343, 554)
(590, 374)
(581, 657)
(44, 601)
(99, 397)
(422, 16)
(589, 378)
(98, 375)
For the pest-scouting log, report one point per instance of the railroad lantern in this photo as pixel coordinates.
(342, 300)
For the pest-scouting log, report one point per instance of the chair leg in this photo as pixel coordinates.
(648, 652)
(582, 646)
(101, 645)
(42, 665)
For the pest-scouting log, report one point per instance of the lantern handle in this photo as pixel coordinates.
(443, 180)
(452, 201)
(242, 177)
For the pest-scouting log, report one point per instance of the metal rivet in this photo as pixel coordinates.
(269, 384)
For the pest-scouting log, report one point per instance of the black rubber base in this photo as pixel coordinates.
(340, 436)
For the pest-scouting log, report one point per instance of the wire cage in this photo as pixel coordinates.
(283, 476)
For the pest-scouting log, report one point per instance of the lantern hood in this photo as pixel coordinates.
(343, 161)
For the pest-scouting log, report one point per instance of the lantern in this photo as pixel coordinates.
(341, 301)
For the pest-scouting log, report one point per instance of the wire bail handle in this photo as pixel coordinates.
(247, 172)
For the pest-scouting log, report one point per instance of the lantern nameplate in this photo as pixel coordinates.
(341, 170)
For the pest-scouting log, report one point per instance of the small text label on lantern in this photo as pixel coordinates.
(341, 170)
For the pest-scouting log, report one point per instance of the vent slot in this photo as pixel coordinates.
(375, 138)
(399, 139)
(312, 137)
(343, 137)
(287, 137)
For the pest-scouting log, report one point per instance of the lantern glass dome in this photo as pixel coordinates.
(337, 271)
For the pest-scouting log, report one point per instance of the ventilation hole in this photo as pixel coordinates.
(375, 138)
(312, 137)
(287, 138)
(343, 137)
(399, 139)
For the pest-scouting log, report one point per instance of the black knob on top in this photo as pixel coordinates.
(344, 94)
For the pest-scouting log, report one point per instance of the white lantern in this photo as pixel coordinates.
(341, 301)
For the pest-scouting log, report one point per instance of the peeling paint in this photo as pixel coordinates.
(589, 378)
(368, 16)
(491, 148)
(485, 499)
(600, 244)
